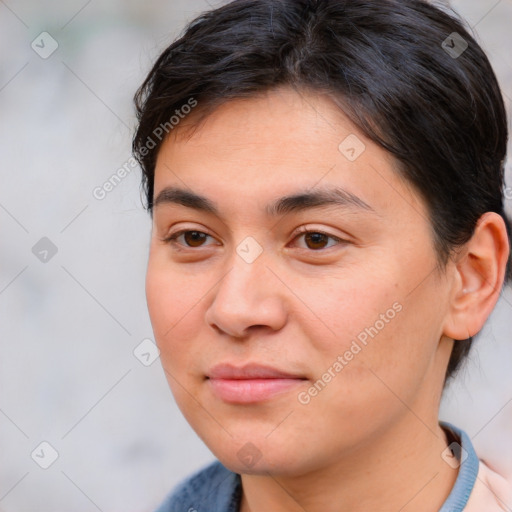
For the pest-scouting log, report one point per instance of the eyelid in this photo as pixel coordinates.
(311, 229)
(303, 230)
(170, 238)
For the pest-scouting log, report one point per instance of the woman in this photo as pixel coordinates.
(325, 180)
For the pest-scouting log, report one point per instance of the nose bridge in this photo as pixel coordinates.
(244, 283)
(247, 268)
(247, 294)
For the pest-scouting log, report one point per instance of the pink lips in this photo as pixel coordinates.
(250, 383)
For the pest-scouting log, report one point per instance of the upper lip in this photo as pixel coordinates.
(249, 371)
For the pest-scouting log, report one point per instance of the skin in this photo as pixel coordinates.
(370, 440)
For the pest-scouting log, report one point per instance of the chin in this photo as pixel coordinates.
(260, 456)
(260, 467)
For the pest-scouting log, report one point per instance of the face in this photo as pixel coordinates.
(292, 285)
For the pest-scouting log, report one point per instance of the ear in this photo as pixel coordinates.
(478, 277)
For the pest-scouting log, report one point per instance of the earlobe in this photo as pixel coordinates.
(479, 275)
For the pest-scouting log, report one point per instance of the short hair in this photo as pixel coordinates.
(406, 73)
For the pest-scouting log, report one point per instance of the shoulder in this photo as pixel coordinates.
(492, 491)
(213, 488)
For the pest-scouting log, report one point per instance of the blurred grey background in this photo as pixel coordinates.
(73, 373)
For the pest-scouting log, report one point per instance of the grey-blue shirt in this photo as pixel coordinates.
(217, 489)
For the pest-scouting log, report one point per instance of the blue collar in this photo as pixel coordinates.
(217, 489)
(468, 470)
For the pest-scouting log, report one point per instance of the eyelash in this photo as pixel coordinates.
(171, 239)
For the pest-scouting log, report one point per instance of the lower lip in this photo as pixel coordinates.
(245, 391)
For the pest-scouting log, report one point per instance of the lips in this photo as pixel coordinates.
(250, 383)
(249, 371)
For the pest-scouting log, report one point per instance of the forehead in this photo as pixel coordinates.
(278, 144)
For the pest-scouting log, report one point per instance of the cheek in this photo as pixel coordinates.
(173, 303)
(377, 326)
(341, 309)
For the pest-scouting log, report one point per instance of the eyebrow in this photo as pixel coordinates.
(300, 201)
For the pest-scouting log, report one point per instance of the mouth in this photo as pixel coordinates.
(251, 383)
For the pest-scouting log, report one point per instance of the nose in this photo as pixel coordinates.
(248, 297)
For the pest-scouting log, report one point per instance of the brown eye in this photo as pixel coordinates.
(194, 238)
(191, 238)
(316, 240)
